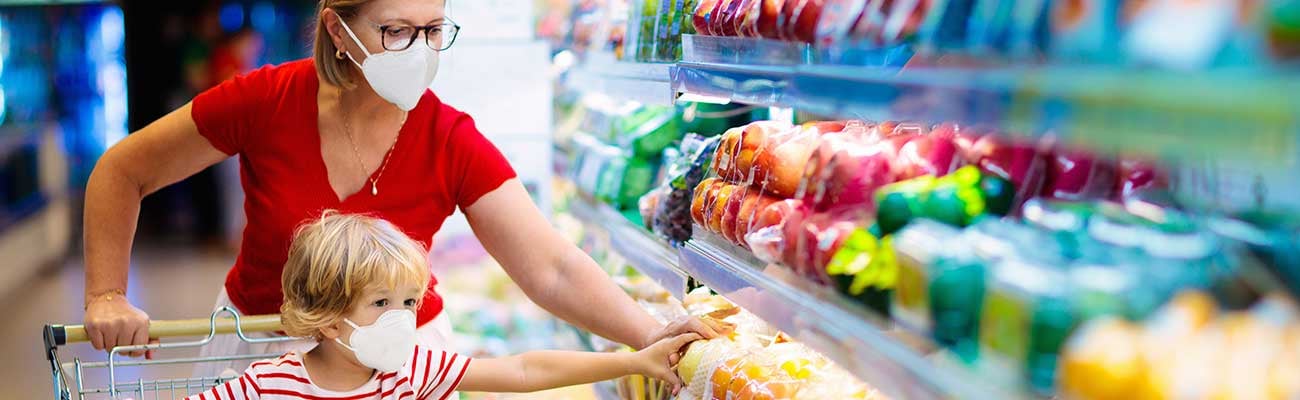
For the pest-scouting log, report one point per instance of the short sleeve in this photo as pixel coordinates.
(227, 114)
(439, 373)
(479, 165)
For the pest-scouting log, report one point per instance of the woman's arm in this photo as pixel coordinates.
(162, 153)
(558, 276)
(541, 370)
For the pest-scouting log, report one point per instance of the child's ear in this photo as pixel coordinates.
(332, 331)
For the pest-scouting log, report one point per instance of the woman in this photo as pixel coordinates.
(355, 129)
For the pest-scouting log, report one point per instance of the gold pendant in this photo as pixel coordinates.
(374, 189)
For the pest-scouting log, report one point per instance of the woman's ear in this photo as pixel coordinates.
(331, 20)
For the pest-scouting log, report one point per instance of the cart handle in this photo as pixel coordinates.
(64, 334)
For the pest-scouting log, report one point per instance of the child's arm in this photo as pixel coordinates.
(540, 370)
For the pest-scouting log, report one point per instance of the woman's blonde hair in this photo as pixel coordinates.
(335, 259)
(335, 71)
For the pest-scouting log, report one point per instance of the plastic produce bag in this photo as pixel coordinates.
(1016, 161)
(1078, 175)
(672, 217)
(766, 238)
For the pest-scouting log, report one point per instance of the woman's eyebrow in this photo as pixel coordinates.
(405, 21)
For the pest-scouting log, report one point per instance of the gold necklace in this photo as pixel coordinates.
(347, 128)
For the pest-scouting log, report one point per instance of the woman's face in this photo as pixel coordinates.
(397, 16)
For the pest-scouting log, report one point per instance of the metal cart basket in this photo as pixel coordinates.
(57, 336)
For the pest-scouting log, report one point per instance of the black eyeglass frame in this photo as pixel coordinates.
(426, 30)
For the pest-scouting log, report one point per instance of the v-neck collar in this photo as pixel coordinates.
(323, 172)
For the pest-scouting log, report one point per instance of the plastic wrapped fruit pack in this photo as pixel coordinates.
(668, 209)
(755, 362)
(1188, 350)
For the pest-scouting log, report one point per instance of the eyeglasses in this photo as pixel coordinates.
(437, 36)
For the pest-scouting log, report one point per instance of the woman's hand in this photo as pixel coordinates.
(660, 359)
(115, 322)
(682, 326)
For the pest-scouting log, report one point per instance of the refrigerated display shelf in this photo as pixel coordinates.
(1253, 117)
(649, 255)
(1239, 115)
(895, 361)
(645, 83)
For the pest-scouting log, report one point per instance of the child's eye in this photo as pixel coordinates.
(382, 303)
(409, 302)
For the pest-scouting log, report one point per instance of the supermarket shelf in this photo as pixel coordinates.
(645, 83)
(863, 343)
(649, 255)
(1251, 116)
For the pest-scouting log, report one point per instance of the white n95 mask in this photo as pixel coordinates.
(401, 77)
(385, 345)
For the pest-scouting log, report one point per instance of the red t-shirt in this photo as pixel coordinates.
(268, 117)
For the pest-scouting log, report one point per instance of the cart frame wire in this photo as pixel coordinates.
(56, 336)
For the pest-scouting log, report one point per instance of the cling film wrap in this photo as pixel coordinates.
(814, 241)
(845, 169)
(672, 217)
(766, 237)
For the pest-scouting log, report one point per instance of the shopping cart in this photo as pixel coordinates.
(62, 335)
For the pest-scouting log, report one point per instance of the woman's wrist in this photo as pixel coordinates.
(104, 295)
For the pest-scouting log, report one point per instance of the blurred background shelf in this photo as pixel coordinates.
(896, 362)
(645, 83)
(649, 255)
(1221, 115)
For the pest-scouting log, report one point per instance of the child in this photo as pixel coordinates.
(353, 284)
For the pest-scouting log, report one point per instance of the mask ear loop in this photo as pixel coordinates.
(354, 327)
(355, 40)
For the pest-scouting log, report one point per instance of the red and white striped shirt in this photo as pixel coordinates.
(431, 374)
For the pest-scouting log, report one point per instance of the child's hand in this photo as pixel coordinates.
(656, 361)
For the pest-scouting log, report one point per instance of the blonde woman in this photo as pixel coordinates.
(352, 128)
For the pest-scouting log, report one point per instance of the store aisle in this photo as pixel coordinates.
(168, 283)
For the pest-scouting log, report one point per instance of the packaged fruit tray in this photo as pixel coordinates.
(898, 363)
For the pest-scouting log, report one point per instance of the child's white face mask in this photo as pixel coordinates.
(385, 345)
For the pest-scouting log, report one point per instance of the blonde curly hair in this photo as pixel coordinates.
(334, 260)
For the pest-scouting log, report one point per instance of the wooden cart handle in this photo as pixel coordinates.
(184, 327)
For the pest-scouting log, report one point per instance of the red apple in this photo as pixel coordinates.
(820, 236)
(1018, 162)
(805, 24)
(1078, 175)
(815, 170)
(725, 22)
(748, 214)
(700, 19)
(792, 231)
(902, 22)
(769, 18)
(837, 18)
(747, 18)
(1136, 174)
(766, 234)
(871, 23)
(731, 211)
(852, 178)
(928, 155)
(965, 138)
(780, 168)
(789, 12)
